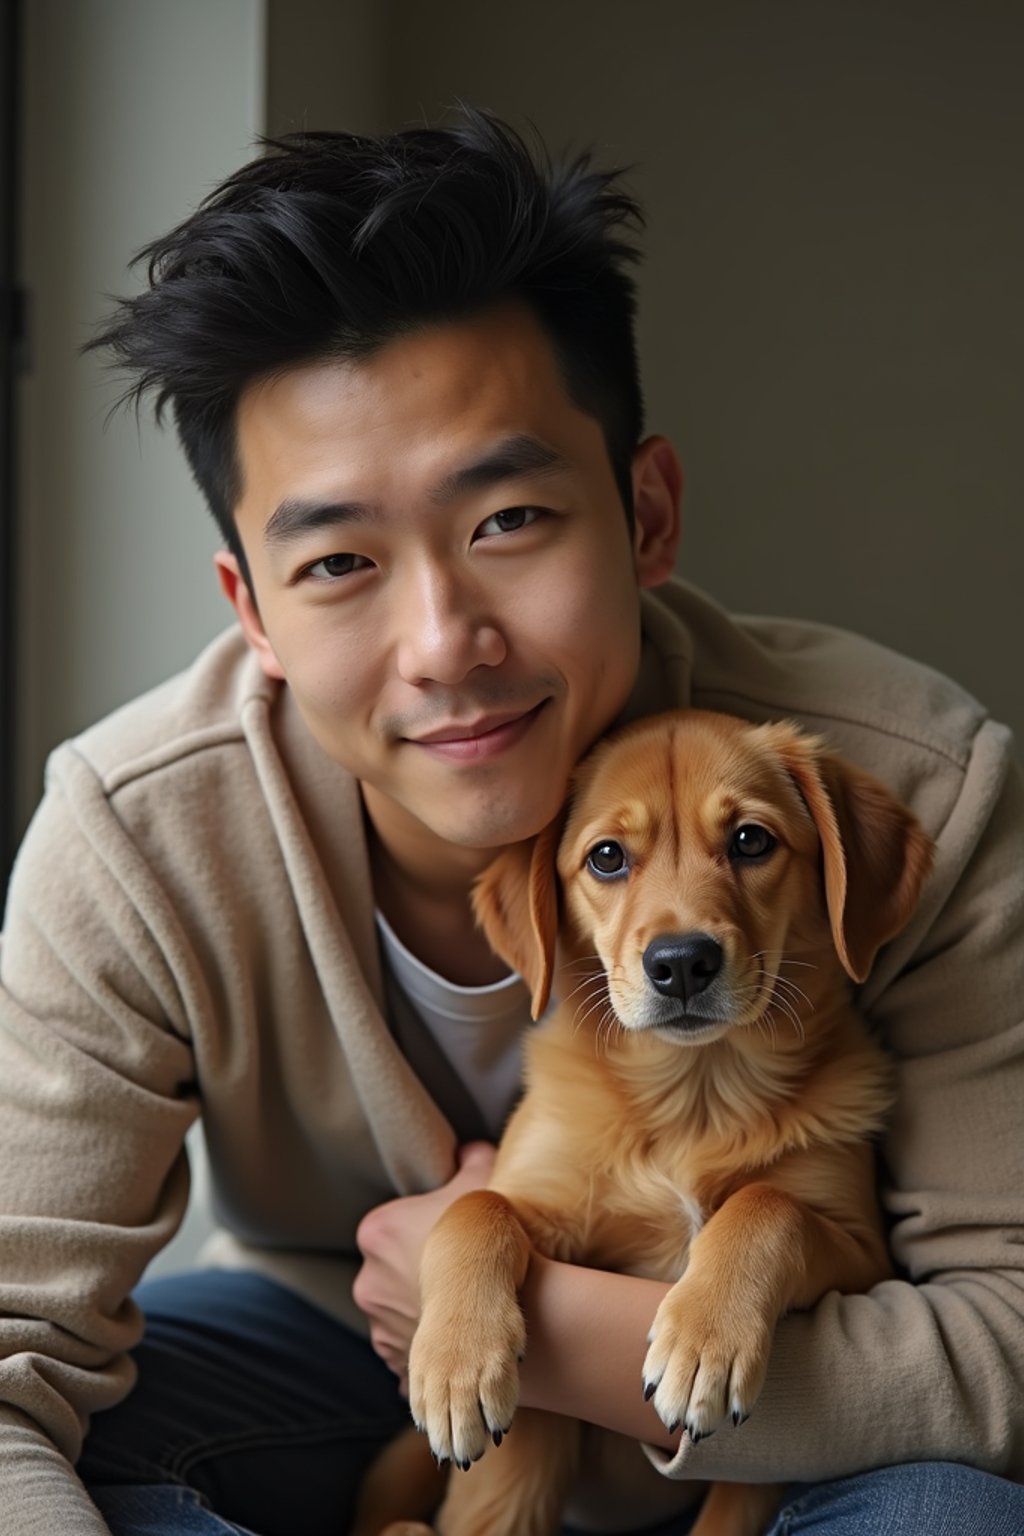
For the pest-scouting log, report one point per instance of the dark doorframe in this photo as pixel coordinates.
(10, 346)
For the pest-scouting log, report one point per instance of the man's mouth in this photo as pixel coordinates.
(484, 737)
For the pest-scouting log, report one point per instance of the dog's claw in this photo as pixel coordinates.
(697, 1434)
(650, 1387)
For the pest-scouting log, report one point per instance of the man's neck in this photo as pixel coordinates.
(422, 885)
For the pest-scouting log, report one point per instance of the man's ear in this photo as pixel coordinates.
(236, 590)
(657, 496)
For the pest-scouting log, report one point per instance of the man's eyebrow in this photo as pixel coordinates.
(511, 459)
(295, 518)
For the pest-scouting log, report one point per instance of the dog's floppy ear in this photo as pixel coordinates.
(515, 901)
(876, 855)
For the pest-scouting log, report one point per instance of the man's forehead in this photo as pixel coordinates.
(438, 412)
(506, 347)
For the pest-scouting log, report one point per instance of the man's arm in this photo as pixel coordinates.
(95, 1101)
(587, 1333)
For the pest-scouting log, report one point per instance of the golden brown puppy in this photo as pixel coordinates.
(701, 1103)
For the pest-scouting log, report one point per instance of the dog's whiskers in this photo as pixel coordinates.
(588, 981)
(782, 1003)
(601, 1007)
(786, 1007)
(606, 1025)
(793, 993)
(578, 960)
(599, 1003)
(766, 1026)
(594, 998)
(785, 991)
(783, 959)
(593, 991)
(790, 990)
(780, 996)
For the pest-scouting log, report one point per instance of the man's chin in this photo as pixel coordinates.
(488, 834)
(490, 825)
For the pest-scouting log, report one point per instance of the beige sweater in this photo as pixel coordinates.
(190, 925)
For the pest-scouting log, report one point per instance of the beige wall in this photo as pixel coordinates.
(133, 110)
(832, 316)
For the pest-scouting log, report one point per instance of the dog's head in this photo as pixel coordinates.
(698, 860)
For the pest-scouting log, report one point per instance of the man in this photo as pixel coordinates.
(403, 372)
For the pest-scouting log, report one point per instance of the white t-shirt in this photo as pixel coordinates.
(479, 1029)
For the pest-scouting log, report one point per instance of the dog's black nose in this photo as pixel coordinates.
(683, 964)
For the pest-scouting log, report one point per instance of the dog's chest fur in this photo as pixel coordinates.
(663, 1134)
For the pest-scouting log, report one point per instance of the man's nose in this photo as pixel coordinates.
(444, 627)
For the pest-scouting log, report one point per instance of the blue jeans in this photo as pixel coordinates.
(256, 1414)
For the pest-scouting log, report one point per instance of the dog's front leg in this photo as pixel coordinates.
(761, 1253)
(464, 1361)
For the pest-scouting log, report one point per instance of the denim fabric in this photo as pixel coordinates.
(256, 1414)
(152, 1510)
(932, 1498)
(262, 1405)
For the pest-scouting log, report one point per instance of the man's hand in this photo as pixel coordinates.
(391, 1239)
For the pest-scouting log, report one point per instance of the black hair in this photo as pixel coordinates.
(329, 245)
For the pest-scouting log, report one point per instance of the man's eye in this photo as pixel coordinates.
(335, 565)
(507, 521)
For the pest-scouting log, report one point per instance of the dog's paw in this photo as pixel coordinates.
(464, 1377)
(707, 1360)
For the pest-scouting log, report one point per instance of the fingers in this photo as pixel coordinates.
(476, 1160)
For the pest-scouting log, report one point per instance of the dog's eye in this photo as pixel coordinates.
(606, 860)
(751, 842)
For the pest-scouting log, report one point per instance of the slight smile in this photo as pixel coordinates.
(479, 740)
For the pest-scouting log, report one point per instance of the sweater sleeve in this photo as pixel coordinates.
(96, 1094)
(930, 1365)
